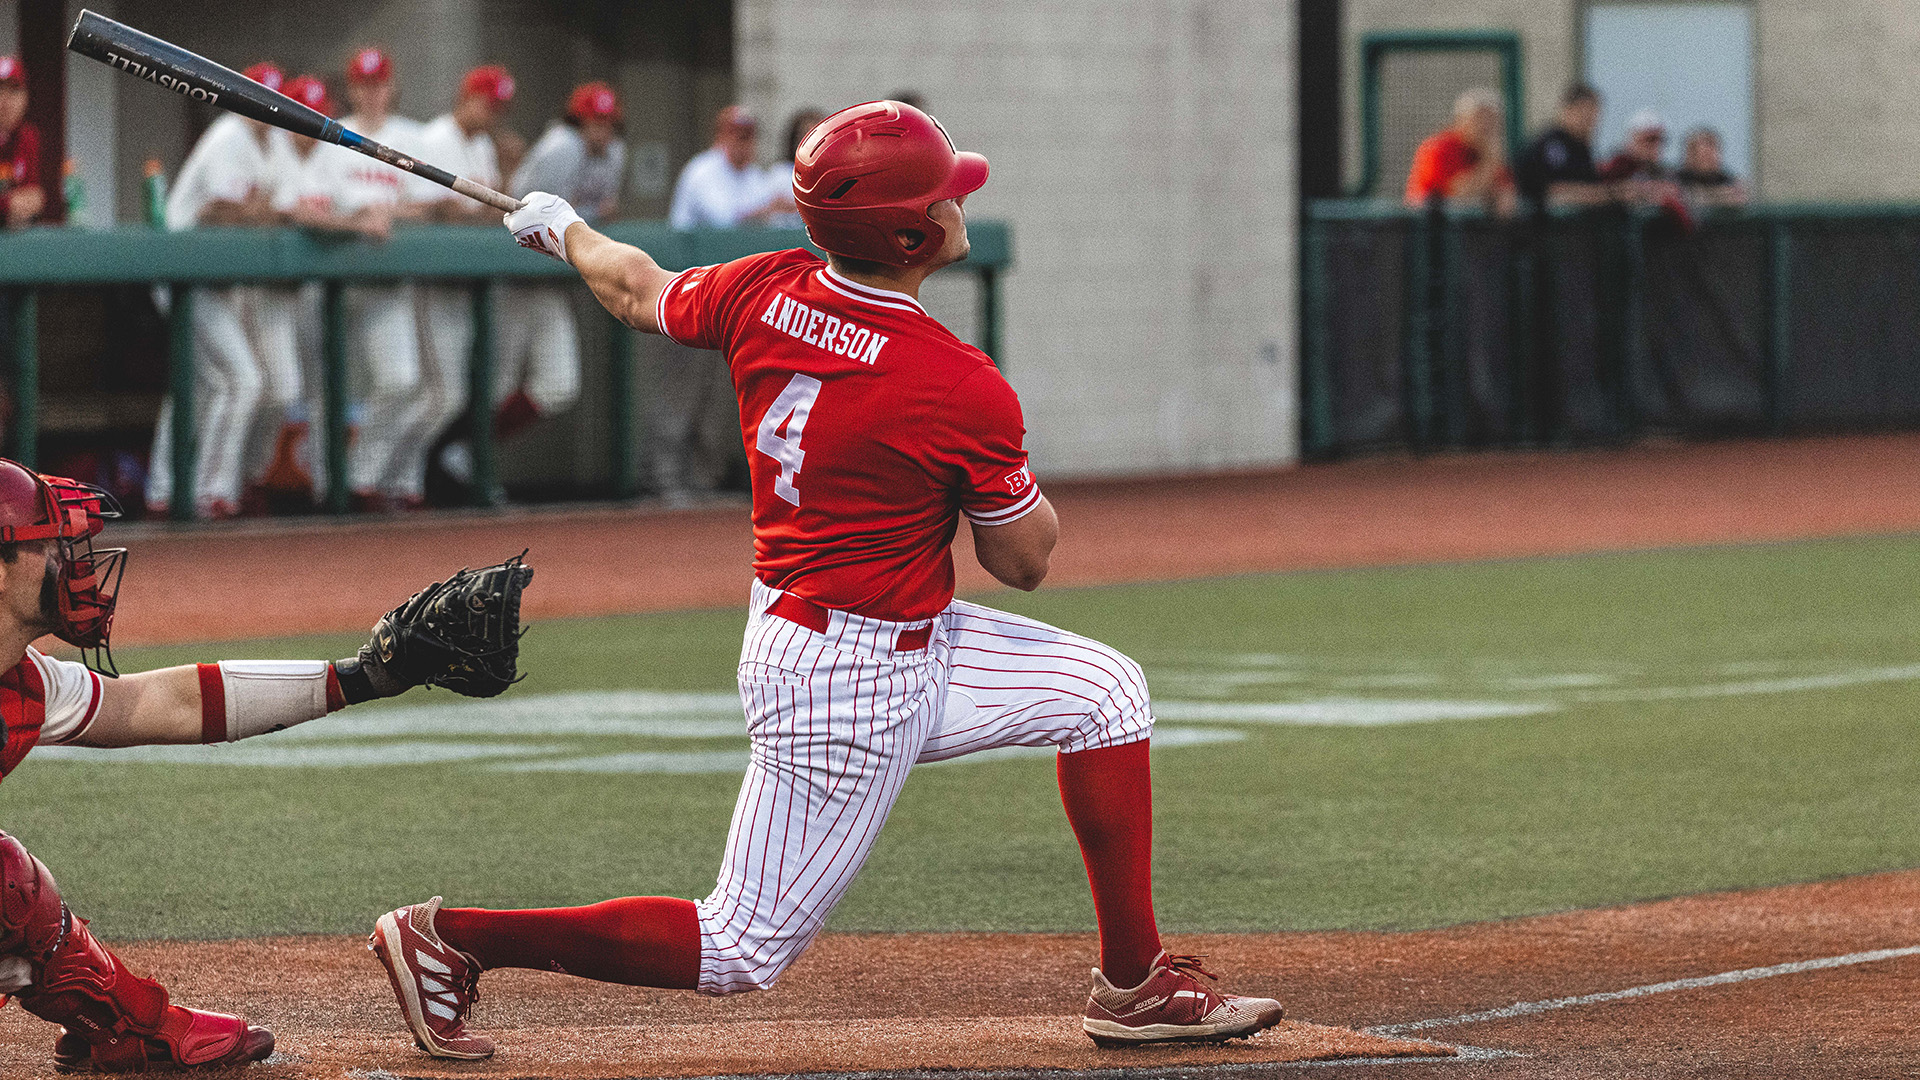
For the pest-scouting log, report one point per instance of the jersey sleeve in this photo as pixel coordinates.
(979, 444)
(73, 698)
(697, 305)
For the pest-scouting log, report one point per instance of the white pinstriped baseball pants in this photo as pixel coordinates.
(838, 719)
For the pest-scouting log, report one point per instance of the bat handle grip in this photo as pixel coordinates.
(506, 204)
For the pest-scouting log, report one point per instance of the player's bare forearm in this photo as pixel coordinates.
(1019, 553)
(623, 278)
(148, 709)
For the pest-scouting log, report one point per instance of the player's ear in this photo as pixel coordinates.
(911, 239)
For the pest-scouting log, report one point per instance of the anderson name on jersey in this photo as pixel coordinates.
(869, 428)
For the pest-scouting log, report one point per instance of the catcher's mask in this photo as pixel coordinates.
(87, 579)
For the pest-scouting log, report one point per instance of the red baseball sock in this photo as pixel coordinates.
(1108, 793)
(637, 940)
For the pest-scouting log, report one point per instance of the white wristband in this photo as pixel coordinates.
(243, 698)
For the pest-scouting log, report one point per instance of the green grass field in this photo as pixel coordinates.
(1381, 748)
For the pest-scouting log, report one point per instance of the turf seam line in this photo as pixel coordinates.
(1725, 978)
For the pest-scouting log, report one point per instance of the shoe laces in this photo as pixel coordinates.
(470, 986)
(1189, 965)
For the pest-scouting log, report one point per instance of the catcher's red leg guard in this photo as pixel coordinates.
(115, 1021)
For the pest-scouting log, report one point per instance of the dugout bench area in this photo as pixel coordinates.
(479, 257)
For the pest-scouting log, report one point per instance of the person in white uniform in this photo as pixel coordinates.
(228, 179)
(720, 188)
(289, 323)
(582, 155)
(382, 344)
(460, 141)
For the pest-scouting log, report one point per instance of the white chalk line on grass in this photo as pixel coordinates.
(1725, 978)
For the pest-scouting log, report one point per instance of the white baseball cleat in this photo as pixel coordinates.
(1171, 1005)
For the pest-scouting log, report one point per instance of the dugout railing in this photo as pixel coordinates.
(1429, 330)
(481, 257)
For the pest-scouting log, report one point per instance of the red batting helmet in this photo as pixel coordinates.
(594, 101)
(369, 65)
(266, 74)
(491, 82)
(867, 174)
(37, 507)
(311, 92)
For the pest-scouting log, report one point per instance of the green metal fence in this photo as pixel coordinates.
(478, 256)
(1431, 330)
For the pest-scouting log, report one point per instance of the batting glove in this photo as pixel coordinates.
(541, 224)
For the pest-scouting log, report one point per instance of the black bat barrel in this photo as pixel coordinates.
(192, 75)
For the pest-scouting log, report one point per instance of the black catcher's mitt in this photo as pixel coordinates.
(462, 634)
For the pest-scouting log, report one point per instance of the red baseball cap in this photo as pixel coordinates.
(266, 75)
(593, 101)
(491, 82)
(369, 65)
(308, 90)
(12, 70)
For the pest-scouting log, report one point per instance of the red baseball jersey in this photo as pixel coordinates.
(870, 429)
(44, 700)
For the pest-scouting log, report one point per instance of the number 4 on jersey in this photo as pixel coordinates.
(780, 432)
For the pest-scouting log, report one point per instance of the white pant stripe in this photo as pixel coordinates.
(838, 720)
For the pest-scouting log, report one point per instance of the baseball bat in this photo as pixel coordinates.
(191, 75)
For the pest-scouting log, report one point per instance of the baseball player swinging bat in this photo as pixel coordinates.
(192, 75)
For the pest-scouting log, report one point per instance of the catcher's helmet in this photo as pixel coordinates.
(866, 174)
(37, 507)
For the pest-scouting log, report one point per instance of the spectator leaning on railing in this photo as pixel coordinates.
(381, 330)
(319, 196)
(1557, 168)
(721, 187)
(23, 194)
(228, 179)
(1637, 169)
(582, 159)
(1466, 164)
(460, 141)
(1703, 177)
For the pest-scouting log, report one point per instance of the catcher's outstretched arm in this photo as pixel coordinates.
(625, 280)
(221, 702)
(462, 634)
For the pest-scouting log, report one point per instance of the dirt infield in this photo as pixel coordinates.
(239, 581)
(934, 1002)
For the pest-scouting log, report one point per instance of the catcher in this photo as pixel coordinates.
(462, 634)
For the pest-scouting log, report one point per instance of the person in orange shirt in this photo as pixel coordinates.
(1467, 163)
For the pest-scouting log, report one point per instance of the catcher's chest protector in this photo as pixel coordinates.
(23, 709)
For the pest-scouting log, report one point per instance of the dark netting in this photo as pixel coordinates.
(1854, 303)
(1479, 358)
(1577, 330)
(1366, 286)
(1443, 332)
(1702, 360)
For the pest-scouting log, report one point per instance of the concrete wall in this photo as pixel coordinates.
(1837, 111)
(1144, 154)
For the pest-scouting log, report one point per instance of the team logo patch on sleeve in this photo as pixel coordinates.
(1018, 482)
